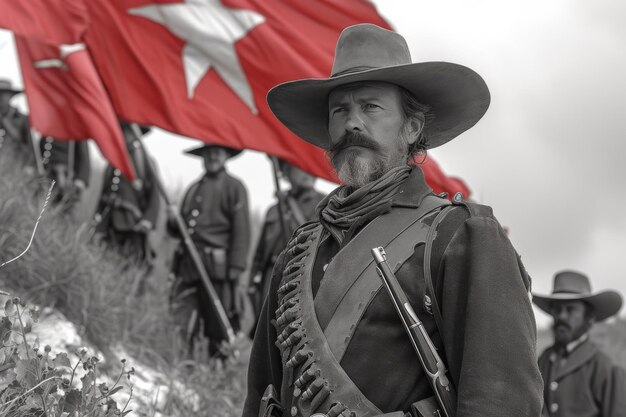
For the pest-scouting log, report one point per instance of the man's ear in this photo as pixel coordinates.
(415, 125)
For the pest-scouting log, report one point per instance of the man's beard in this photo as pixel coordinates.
(564, 334)
(355, 170)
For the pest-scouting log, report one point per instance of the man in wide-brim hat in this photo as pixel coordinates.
(579, 379)
(14, 126)
(329, 340)
(215, 211)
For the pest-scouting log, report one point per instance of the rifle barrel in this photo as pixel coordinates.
(424, 348)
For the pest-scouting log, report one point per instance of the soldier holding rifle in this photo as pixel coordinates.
(215, 212)
(128, 211)
(330, 341)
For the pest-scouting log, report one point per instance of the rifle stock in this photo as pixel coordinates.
(432, 364)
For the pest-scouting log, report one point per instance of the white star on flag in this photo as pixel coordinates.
(210, 31)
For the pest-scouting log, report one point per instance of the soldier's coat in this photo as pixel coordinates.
(488, 337)
(584, 384)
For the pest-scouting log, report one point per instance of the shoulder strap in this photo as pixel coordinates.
(431, 296)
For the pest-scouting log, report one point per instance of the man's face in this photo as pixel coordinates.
(214, 159)
(368, 130)
(570, 321)
(299, 179)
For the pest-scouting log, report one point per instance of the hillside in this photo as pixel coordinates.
(96, 290)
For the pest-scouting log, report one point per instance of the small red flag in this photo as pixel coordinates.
(67, 100)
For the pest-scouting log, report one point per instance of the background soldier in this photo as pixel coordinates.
(329, 340)
(579, 379)
(128, 211)
(14, 127)
(215, 210)
(299, 204)
(68, 163)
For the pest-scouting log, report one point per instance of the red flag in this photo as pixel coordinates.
(202, 68)
(67, 100)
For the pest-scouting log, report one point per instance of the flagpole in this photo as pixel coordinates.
(216, 304)
(279, 197)
(71, 158)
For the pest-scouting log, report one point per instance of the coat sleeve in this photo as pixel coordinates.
(240, 231)
(614, 393)
(265, 365)
(489, 328)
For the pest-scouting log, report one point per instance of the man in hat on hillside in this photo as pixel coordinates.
(68, 163)
(215, 211)
(329, 340)
(14, 127)
(128, 211)
(298, 204)
(579, 380)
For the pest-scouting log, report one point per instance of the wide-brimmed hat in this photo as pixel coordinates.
(574, 286)
(6, 85)
(199, 151)
(458, 97)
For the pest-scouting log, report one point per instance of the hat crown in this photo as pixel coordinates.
(367, 46)
(6, 85)
(571, 282)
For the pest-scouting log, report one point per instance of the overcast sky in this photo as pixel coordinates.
(549, 154)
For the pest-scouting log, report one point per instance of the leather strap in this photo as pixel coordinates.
(353, 259)
(341, 328)
(430, 289)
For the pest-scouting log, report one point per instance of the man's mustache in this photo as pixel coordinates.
(353, 139)
(562, 323)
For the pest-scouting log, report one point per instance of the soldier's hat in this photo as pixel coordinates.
(458, 97)
(574, 286)
(199, 151)
(6, 85)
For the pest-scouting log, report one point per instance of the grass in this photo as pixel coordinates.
(94, 287)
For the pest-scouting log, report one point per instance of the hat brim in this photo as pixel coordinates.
(11, 90)
(199, 150)
(457, 96)
(605, 303)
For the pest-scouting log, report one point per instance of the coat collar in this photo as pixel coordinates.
(582, 354)
(413, 190)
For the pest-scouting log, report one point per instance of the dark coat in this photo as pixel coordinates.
(583, 384)
(15, 132)
(215, 210)
(55, 158)
(124, 204)
(488, 336)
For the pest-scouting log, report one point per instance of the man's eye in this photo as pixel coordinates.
(337, 110)
(370, 106)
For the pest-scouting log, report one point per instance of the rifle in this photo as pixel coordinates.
(433, 365)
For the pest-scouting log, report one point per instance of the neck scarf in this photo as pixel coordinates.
(344, 208)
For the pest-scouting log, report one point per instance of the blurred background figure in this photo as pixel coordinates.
(299, 204)
(14, 127)
(128, 211)
(66, 162)
(579, 379)
(215, 212)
